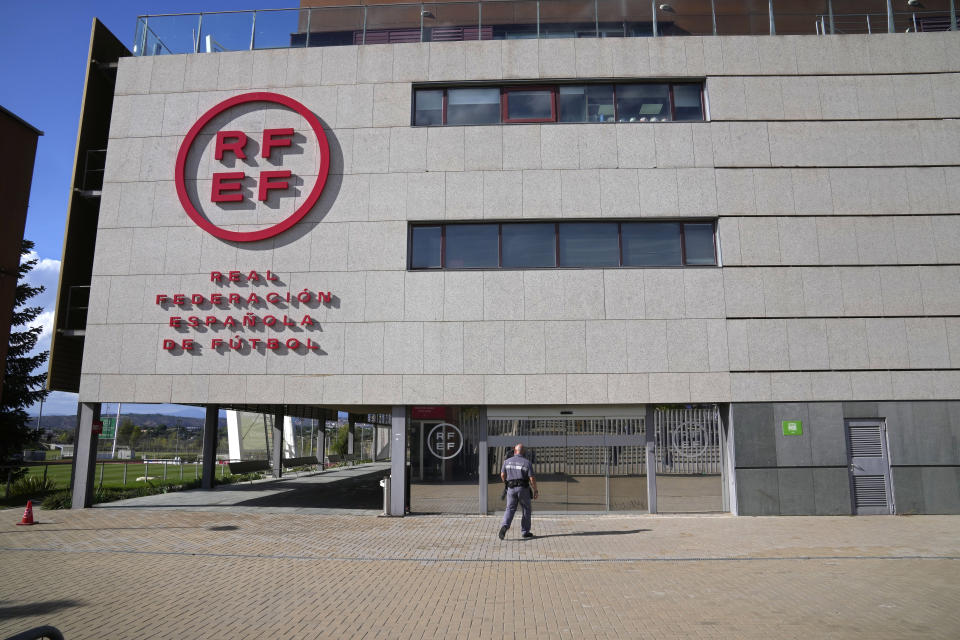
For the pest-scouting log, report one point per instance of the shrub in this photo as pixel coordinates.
(32, 486)
(57, 500)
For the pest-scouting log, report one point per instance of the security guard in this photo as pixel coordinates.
(517, 473)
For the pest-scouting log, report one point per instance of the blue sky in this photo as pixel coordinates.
(44, 51)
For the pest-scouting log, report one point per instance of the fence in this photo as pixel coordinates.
(514, 19)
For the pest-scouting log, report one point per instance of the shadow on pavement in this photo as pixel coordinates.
(591, 533)
(36, 608)
(349, 493)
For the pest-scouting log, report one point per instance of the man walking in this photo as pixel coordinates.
(517, 472)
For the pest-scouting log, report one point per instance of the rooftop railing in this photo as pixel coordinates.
(515, 19)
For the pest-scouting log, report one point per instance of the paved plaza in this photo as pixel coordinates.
(238, 572)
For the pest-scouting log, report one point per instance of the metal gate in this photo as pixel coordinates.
(689, 441)
(869, 467)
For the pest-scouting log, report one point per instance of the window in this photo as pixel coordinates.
(592, 102)
(643, 102)
(529, 105)
(699, 246)
(647, 244)
(472, 246)
(473, 106)
(429, 107)
(589, 244)
(687, 102)
(585, 103)
(545, 245)
(427, 247)
(529, 244)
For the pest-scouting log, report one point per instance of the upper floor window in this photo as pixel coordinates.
(545, 245)
(594, 102)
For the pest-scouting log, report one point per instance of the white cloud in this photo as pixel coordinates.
(44, 320)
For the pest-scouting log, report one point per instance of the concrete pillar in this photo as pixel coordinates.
(211, 428)
(84, 456)
(278, 443)
(352, 438)
(398, 460)
(650, 425)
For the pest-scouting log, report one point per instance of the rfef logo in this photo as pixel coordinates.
(245, 183)
(445, 441)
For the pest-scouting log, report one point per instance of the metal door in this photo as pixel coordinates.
(870, 487)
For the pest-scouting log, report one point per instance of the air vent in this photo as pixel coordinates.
(866, 442)
(870, 491)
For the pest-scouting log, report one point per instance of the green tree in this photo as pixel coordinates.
(125, 431)
(22, 388)
(341, 441)
(135, 434)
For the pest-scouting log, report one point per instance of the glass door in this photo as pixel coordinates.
(581, 464)
(443, 459)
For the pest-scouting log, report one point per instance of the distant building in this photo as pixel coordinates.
(18, 148)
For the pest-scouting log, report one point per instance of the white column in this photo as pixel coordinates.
(233, 436)
(289, 442)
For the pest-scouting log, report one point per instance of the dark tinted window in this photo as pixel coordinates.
(425, 247)
(698, 239)
(649, 244)
(589, 244)
(473, 106)
(585, 103)
(529, 245)
(535, 104)
(643, 102)
(686, 102)
(429, 107)
(472, 246)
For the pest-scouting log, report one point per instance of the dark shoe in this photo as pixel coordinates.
(503, 532)
(528, 535)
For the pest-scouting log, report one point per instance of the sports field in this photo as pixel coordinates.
(116, 475)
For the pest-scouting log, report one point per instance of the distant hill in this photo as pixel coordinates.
(69, 423)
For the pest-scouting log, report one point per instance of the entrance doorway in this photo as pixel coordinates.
(443, 458)
(581, 464)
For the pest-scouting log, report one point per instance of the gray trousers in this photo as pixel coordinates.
(515, 495)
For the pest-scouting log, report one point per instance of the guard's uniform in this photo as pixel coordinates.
(518, 470)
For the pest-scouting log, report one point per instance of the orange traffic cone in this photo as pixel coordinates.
(27, 515)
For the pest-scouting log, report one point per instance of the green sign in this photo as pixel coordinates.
(790, 428)
(109, 428)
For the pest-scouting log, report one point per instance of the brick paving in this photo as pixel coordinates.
(142, 573)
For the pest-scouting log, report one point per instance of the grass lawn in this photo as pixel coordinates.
(113, 473)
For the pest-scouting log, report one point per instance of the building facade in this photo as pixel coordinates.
(692, 273)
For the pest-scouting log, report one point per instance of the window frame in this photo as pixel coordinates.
(505, 103)
(506, 89)
(682, 222)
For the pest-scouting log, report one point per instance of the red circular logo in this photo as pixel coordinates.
(260, 234)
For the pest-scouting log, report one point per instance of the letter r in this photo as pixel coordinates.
(233, 141)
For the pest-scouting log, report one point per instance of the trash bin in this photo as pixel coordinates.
(385, 483)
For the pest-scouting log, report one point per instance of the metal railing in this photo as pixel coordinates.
(516, 19)
(78, 304)
(94, 166)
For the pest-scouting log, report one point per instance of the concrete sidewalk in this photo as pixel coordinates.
(342, 490)
(146, 573)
